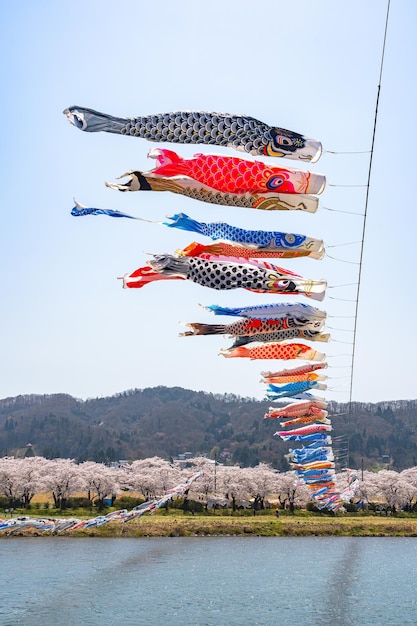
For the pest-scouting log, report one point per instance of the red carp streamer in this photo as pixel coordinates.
(234, 175)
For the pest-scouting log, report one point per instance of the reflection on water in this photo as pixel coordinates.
(214, 581)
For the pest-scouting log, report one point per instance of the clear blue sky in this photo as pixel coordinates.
(313, 67)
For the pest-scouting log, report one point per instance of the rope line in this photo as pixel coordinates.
(326, 208)
(353, 152)
(364, 223)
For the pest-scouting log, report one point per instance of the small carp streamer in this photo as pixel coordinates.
(313, 438)
(307, 419)
(296, 409)
(234, 175)
(268, 201)
(314, 465)
(283, 351)
(305, 430)
(80, 210)
(259, 239)
(310, 453)
(276, 392)
(294, 374)
(294, 378)
(240, 132)
(224, 274)
(276, 310)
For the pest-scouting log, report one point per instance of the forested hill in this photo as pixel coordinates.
(165, 422)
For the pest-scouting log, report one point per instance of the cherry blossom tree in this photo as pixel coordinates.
(10, 479)
(99, 481)
(32, 477)
(63, 478)
(291, 491)
(205, 486)
(21, 479)
(410, 487)
(231, 482)
(397, 488)
(261, 482)
(368, 490)
(152, 477)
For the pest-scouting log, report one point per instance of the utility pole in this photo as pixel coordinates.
(215, 473)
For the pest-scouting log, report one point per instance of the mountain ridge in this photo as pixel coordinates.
(167, 421)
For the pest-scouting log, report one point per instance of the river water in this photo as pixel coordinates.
(214, 581)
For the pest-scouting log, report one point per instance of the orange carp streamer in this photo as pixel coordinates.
(284, 351)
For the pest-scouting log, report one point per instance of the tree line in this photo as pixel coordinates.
(222, 485)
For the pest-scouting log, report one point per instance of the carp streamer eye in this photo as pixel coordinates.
(280, 140)
(275, 182)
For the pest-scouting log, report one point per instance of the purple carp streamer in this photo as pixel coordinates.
(240, 132)
(267, 201)
(250, 326)
(278, 310)
(308, 246)
(229, 275)
(283, 351)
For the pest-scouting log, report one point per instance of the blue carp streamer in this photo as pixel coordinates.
(276, 310)
(275, 392)
(79, 210)
(259, 238)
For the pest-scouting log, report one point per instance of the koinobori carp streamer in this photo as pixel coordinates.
(220, 274)
(258, 239)
(240, 132)
(284, 351)
(251, 326)
(266, 201)
(234, 175)
(275, 310)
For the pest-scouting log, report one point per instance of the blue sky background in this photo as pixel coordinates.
(312, 67)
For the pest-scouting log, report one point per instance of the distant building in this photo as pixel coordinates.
(29, 451)
(120, 463)
(182, 459)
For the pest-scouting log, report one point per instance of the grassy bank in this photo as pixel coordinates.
(263, 526)
(180, 525)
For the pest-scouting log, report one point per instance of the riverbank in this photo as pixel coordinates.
(262, 526)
